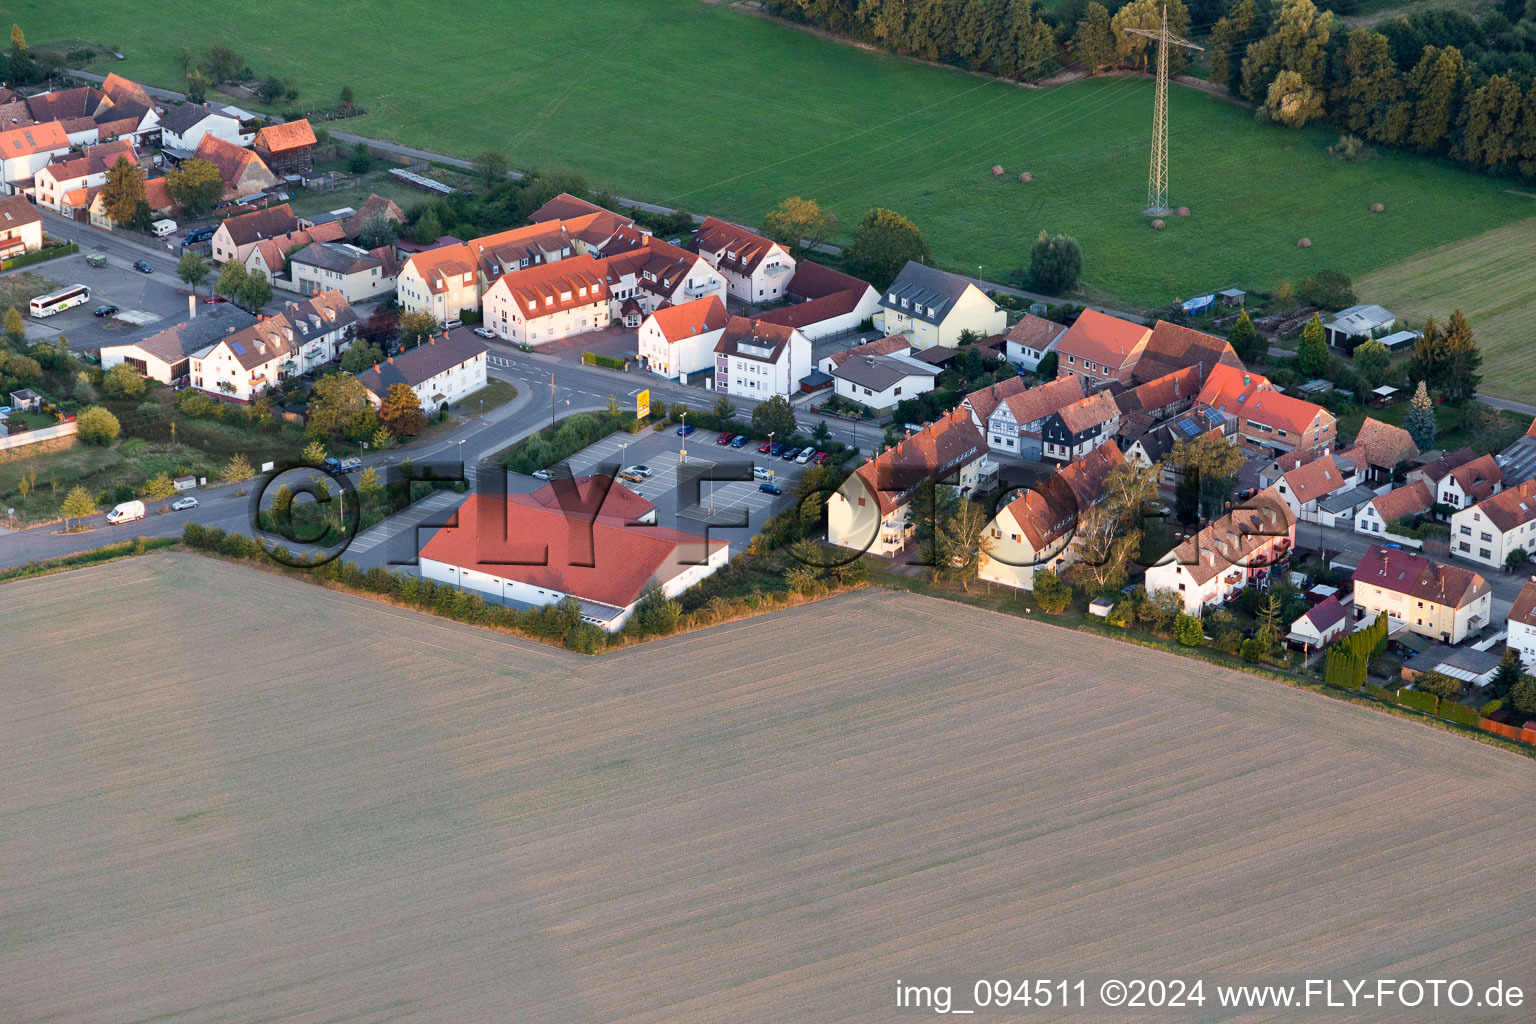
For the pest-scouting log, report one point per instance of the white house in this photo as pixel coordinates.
(441, 371)
(880, 381)
(237, 235)
(1320, 625)
(1442, 602)
(1239, 550)
(757, 269)
(183, 127)
(1013, 414)
(1496, 527)
(529, 550)
(56, 180)
(1469, 484)
(25, 151)
(21, 227)
(1030, 339)
(676, 342)
(442, 281)
(1307, 485)
(165, 355)
(1376, 515)
(1522, 625)
(358, 274)
(934, 308)
(305, 335)
(758, 360)
(645, 273)
(824, 302)
(548, 301)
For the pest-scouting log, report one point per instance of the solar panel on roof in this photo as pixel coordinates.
(238, 347)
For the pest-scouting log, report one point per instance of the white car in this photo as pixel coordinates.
(805, 456)
(759, 473)
(485, 332)
(542, 474)
(182, 504)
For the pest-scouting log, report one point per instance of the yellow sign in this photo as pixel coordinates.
(643, 404)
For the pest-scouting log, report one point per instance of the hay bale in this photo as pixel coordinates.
(1305, 243)
(1182, 211)
(1158, 225)
(1026, 177)
(997, 170)
(1377, 208)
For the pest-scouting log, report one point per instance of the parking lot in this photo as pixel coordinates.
(158, 294)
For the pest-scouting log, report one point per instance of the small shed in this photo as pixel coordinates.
(185, 483)
(1315, 387)
(26, 400)
(1233, 296)
(1100, 606)
(1401, 341)
(1319, 625)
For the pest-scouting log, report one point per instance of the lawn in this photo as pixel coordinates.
(19, 288)
(1491, 278)
(697, 105)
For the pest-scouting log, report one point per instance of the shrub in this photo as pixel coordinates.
(1229, 642)
(193, 535)
(1253, 649)
(1419, 701)
(1380, 693)
(1452, 711)
(1488, 710)
(583, 638)
(97, 426)
(1189, 630)
(1052, 593)
(1438, 683)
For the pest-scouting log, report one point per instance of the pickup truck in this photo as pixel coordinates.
(334, 465)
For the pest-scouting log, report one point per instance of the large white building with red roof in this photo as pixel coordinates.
(756, 269)
(548, 301)
(591, 539)
(26, 150)
(676, 342)
(759, 360)
(825, 302)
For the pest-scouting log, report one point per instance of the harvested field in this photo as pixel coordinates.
(232, 797)
(1490, 278)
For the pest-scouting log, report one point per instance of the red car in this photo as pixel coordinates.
(724, 438)
(819, 458)
(212, 300)
(763, 448)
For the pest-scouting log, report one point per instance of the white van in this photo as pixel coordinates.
(163, 228)
(127, 512)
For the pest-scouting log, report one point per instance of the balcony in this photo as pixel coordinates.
(777, 270)
(701, 289)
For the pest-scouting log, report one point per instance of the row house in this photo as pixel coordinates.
(442, 281)
(88, 170)
(824, 303)
(165, 355)
(677, 342)
(358, 274)
(1077, 429)
(756, 269)
(1379, 448)
(1149, 445)
(1468, 484)
(1241, 549)
(1498, 526)
(871, 512)
(237, 236)
(1013, 415)
(1099, 348)
(1442, 602)
(1039, 528)
(934, 308)
(440, 371)
(1170, 348)
(1434, 471)
(1267, 421)
(1305, 487)
(645, 273)
(268, 258)
(1161, 397)
(301, 338)
(548, 302)
(757, 360)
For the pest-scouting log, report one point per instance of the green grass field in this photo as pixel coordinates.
(696, 105)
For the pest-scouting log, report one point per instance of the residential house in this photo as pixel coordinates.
(21, 227)
(1241, 549)
(1014, 415)
(1518, 462)
(1340, 508)
(1437, 471)
(26, 150)
(268, 258)
(517, 550)
(1362, 321)
(242, 171)
(1077, 429)
(1385, 509)
(566, 207)
(824, 302)
(871, 512)
(880, 381)
(358, 274)
(1320, 625)
(1304, 487)
(56, 180)
(757, 360)
(1154, 443)
(934, 308)
(1171, 348)
(374, 206)
(548, 301)
(126, 111)
(305, 335)
(1163, 396)
(757, 270)
(895, 344)
(1267, 420)
(156, 196)
(286, 148)
(645, 273)
(677, 342)
(165, 355)
(1099, 348)
(1495, 528)
(183, 126)
(1379, 448)
(441, 371)
(1039, 528)
(238, 235)
(1522, 625)
(1030, 339)
(1443, 602)
(1469, 484)
(443, 281)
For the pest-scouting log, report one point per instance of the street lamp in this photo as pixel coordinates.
(551, 398)
(682, 453)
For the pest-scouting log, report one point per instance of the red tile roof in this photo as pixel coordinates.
(878, 347)
(701, 316)
(1237, 537)
(740, 329)
(748, 248)
(1403, 501)
(280, 138)
(1087, 413)
(1103, 339)
(1326, 614)
(933, 453)
(1171, 389)
(814, 281)
(1315, 480)
(548, 288)
(38, 138)
(1524, 608)
(436, 266)
(232, 161)
(588, 497)
(1034, 332)
(272, 222)
(1251, 396)
(1171, 347)
(563, 207)
(814, 311)
(1511, 508)
(1053, 396)
(1403, 572)
(1479, 478)
(1047, 511)
(984, 401)
(605, 561)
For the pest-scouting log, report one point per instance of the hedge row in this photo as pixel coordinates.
(611, 362)
(39, 256)
(1419, 701)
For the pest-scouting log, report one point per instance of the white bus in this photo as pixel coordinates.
(56, 302)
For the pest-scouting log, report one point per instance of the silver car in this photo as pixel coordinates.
(182, 504)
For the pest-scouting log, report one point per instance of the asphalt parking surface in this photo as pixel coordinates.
(117, 284)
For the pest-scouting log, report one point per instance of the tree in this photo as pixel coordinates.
(1372, 361)
(222, 63)
(1420, 421)
(400, 411)
(15, 328)
(1367, 95)
(417, 325)
(254, 292)
(799, 224)
(821, 435)
(18, 41)
(1523, 694)
(123, 381)
(77, 504)
(360, 160)
(490, 167)
(270, 89)
(1229, 38)
(1461, 362)
(725, 410)
(1052, 593)
(1436, 83)
(1136, 50)
(123, 191)
(196, 185)
(159, 487)
(96, 426)
(1246, 340)
(1439, 684)
(360, 356)
(1312, 354)
(84, 391)
(339, 406)
(934, 507)
(1506, 676)
(1055, 261)
(346, 96)
(231, 279)
(1291, 101)
(378, 228)
(775, 417)
(369, 485)
(883, 243)
(1093, 44)
(1328, 289)
(967, 541)
(193, 269)
(1516, 558)
(1188, 630)
(314, 452)
(1209, 465)
(238, 469)
(197, 85)
(1297, 42)
(1109, 534)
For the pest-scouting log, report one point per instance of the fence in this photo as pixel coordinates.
(23, 438)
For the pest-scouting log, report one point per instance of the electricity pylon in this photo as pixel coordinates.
(1157, 174)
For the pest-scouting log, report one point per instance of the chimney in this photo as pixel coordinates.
(375, 367)
(191, 307)
(391, 360)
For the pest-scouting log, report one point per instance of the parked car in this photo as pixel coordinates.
(96, 259)
(759, 473)
(739, 440)
(763, 448)
(776, 450)
(143, 267)
(452, 323)
(805, 456)
(542, 474)
(127, 512)
(725, 438)
(642, 469)
(819, 458)
(105, 310)
(769, 487)
(790, 454)
(182, 504)
(213, 300)
(635, 474)
(198, 235)
(684, 431)
(485, 332)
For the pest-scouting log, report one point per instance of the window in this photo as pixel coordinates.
(1485, 552)
(1486, 537)
(1466, 531)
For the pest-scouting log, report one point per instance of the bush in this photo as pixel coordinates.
(193, 535)
(1229, 642)
(1451, 711)
(123, 381)
(1439, 684)
(1052, 593)
(97, 426)
(1419, 701)
(1380, 693)
(1189, 630)
(1488, 710)
(584, 638)
(1254, 650)
(1055, 261)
